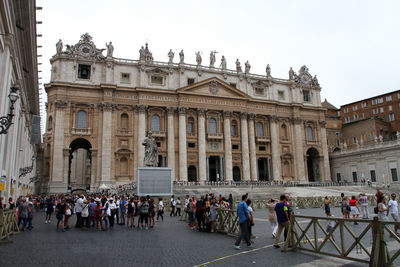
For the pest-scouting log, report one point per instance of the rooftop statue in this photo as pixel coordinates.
(59, 46)
(238, 67)
(198, 58)
(291, 74)
(212, 58)
(151, 151)
(110, 49)
(223, 63)
(171, 56)
(268, 71)
(181, 57)
(247, 67)
(141, 53)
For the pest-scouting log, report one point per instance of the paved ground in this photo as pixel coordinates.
(171, 243)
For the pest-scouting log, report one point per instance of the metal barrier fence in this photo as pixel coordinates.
(266, 184)
(8, 225)
(365, 243)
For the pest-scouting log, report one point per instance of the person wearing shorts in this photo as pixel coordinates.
(49, 209)
(355, 211)
(394, 211)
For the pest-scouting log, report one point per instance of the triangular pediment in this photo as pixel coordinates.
(213, 87)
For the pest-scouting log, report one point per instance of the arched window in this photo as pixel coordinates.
(123, 164)
(309, 133)
(234, 131)
(50, 123)
(284, 134)
(212, 126)
(81, 120)
(124, 122)
(190, 126)
(260, 129)
(155, 123)
(192, 174)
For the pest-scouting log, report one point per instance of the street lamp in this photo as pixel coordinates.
(6, 121)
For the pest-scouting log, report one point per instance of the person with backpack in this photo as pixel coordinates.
(160, 211)
(243, 215)
(173, 204)
(144, 213)
(282, 214)
(152, 213)
(130, 214)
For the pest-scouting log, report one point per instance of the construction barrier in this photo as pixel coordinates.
(8, 225)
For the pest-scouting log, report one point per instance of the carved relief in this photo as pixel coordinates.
(213, 87)
(61, 104)
(107, 106)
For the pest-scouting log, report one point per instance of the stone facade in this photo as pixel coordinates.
(18, 68)
(209, 123)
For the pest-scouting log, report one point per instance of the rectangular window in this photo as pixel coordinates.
(338, 113)
(363, 115)
(355, 108)
(354, 177)
(84, 71)
(261, 148)
(380, 100)
(156, 79)
(382, 110)
(375, 111)
(374, 101)
(233, 84)
(125, 77)
(390, 108)
(306, 96)
(373, 175)
(363, 105)
(398, 95)
(281, 95)
(389, 98)
(190, 81)
(391, 116)
(356, 116)
(259, 91)
(235, 146)
(346, 110)
(347, 119)
(191, 145)
(394, 174)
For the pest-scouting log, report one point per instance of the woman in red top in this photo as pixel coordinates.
(97, 214)
(355, 211)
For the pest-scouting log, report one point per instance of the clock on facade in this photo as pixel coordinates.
(305, 78)
(85, 50)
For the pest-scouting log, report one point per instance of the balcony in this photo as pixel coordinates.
(124, 132)
(158, 134)
(263, 139)
(217, 136)
(81, 131)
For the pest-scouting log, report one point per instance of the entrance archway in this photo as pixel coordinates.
(236, 173)
(79, 164)
(313, 159)
(214, 169)
(192, 174)
(263, 169)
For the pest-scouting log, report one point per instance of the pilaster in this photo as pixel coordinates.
(182, 145)
(228, 145)
(203, 166)
(245, 147)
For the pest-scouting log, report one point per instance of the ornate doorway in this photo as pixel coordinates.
(79, 165)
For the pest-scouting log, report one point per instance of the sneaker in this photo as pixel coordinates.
(45, 222)
(277, 246)
(273, 235)
(147, 228)
(251, 245)
(238, 247)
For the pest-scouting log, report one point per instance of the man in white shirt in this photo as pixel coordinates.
(173, 204)
(78, 211)
(394, 211)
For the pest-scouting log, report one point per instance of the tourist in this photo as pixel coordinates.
(160, 211)
(230, 200)
(331, 224)
(11, 204)
(355, 211)
(178, 207)
(213, 214)
(186, 202)
(92, 206)
(282, 215)
(345, 207)
(152, 213)
(130, 214)
(251, 218)
(23, 210)
(191, 213)
(379, 196)
(113, 212)
(272, 216)
(30, 215)
(105, 213)
(243, 215)
(144, 213)
(173, 204)
(122, 211)
(364, 205)
(393, 207)
(60, 215)
(327, 207)
(97, 214)
(68, 213)
(200, 212)
(382, 210)
(49, 208)
(290, 212)
(78, 210)
(85, 215)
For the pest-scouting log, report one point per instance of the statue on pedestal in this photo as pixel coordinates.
(268, 71)
(59, 47)
(212, 58)
(110, 49)
(151, 151)
(238, 67)
(181, 57)
(247, 67)
(171, 56)
(223, 63)
(198, 58)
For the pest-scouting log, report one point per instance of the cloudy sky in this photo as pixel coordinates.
(352, 46)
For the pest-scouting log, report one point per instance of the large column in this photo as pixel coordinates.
(141, 134)
(228, 145)
(327, 175)
(106, 143)
(171, 140)
(202, 146)
(276, 159)
(245, 147)
(93, 171)
(252, 143)
(182, 145)
(57, 180)
(299, 151)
